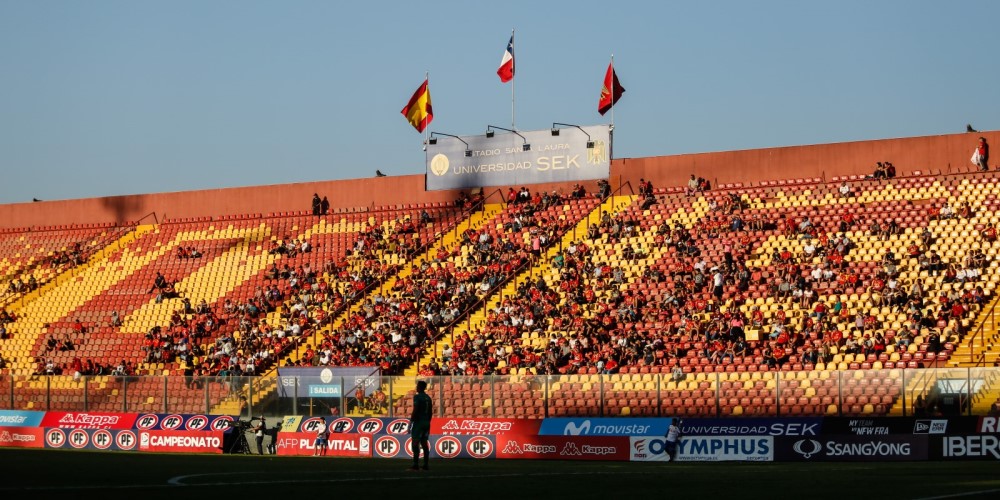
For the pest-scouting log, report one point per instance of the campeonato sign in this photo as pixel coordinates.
(502, 160)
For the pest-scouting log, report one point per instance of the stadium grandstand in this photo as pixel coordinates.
(805, 280)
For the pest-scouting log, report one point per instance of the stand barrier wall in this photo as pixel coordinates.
(763, 439)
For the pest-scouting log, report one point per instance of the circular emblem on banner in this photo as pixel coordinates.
(222, 423)
(400, 426)
(448, 446)
(125, 440)
(807, 447)
(196, 423)
(312, 425)
(172, 422)
(370, 426)
(439, 164)
(147, 421)
(55, 438)
(326, 376)
(479, 447)
(78, 438)
(387, 446)
(342, 424)
(102, 439)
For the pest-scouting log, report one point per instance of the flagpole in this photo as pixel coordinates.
(612, 91)
(427, 78)
(512, 81)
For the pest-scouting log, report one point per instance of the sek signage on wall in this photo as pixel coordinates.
(519, 158)
(327, 382)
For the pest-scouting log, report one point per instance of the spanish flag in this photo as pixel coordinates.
(419, 111)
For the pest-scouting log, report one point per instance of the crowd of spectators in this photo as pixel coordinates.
(594, 323)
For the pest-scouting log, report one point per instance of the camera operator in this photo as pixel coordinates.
(258, 433)
(272, 445)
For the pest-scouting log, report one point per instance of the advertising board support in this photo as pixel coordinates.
(840, 393)
(659, 396)
(166, 395)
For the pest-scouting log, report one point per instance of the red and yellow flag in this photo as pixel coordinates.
(419, 111)
(611, 91)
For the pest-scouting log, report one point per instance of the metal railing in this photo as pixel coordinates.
(900, 392)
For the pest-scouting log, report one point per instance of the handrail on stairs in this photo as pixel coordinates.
(981, 332)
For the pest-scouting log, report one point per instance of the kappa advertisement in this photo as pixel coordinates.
(563, 447)
(491, 426)
(517, 158)
(88, 420)
(22, 437)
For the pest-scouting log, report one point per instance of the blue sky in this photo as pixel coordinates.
(103, 98)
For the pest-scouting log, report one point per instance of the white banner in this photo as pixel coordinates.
(705, 449)
(515, 159)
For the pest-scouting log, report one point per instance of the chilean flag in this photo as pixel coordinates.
(506, 70)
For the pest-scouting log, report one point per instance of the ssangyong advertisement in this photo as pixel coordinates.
(850, 448)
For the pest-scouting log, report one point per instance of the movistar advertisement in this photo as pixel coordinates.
(508, 158)
(604, 426)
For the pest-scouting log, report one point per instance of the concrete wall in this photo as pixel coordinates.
(942, 152)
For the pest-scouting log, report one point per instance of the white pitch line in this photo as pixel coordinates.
(959, 495)
(177, 482)
(422, 475)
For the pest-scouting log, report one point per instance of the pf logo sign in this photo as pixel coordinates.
(399, 426)
(479, 447)
(102, 439)
(55, 438)
(147, 421)
(370, 426)
(312, 425)
(125, 440)
(171, 423)
(196, 423)
(387, 447)
(448, 447)
(78, 438)
(223, 423)
(342, 425)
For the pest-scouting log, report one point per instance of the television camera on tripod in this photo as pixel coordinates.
(238, 442)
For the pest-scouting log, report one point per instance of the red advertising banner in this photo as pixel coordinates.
(181, 441)
(88, 420)
(485, 426)
(563, 447)
(22, 437)
(339, 445)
